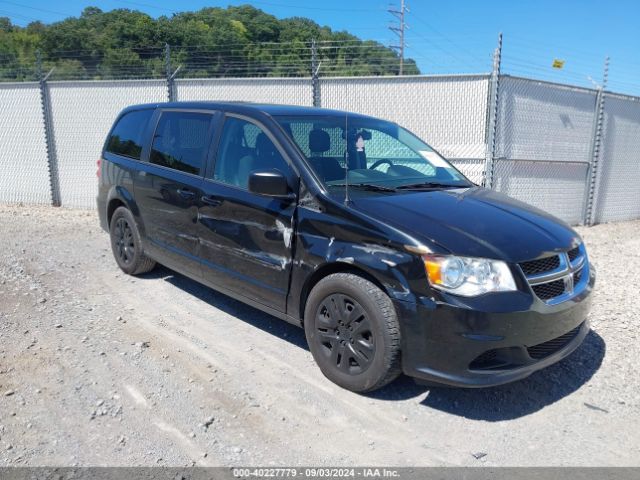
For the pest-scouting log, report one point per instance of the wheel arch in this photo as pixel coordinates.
(327, 269)
(113, 204)
(120, 196)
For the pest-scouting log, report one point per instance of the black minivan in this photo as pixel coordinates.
(353, 228)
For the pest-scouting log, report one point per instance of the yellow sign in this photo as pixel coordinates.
(557, 63)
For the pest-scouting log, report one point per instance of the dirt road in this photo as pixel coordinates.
(97, 368)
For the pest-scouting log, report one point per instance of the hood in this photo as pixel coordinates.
(473, 222)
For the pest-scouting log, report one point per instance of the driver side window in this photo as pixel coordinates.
(244, 147)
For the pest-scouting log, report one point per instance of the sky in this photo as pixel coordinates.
(458, 36)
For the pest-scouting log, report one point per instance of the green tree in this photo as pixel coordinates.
(233, 41)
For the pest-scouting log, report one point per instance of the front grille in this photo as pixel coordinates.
(515, 356)
(546, 291)
(553, 276)
(545, 349)
(541, 265)
(573, 254)
(486, 360)
(498, 358)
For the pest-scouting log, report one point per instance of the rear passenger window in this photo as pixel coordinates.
(127, 137)
(244, 148)
(181, 141)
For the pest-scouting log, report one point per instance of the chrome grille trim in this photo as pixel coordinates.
(577, 262)
(552, 275)
(574, 273)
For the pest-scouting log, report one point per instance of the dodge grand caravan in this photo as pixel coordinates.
(353, 228)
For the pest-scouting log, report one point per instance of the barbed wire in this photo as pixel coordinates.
(338, 57)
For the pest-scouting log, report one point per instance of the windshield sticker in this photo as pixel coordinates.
(434, 159)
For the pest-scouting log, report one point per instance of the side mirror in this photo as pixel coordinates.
(271, 183)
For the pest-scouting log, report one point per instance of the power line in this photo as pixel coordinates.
(475, 62)
(229, 49)
(300, 7)
(37, 9)
(18, 15)
(461, 48)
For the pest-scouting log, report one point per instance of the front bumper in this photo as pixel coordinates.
(490, 340)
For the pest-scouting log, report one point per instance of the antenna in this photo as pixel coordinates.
(398, 29)
(346, 159)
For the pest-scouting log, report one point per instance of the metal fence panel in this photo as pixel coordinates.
(556, 187)
(83, 113)
(618, 192)
(24, 175)
(544, 121)
(543, 144)
(292, 91)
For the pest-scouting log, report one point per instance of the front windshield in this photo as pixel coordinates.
(378, 154)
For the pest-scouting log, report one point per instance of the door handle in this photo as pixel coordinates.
(186, 193)
(211, 200)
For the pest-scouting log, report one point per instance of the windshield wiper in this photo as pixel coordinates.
(428, 185)
(366, 186)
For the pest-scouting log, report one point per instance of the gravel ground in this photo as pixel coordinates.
(97, 368)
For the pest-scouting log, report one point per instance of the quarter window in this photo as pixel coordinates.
(127, 137)
(181, 141)
(244, 148)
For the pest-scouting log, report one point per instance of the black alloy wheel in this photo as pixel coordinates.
(125, 246)
(353, 332)
(345, 333)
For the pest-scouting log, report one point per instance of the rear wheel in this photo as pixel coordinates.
(353, 333)
(126, 244)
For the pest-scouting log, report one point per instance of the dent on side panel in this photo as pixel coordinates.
(323, 239)
(236, 239)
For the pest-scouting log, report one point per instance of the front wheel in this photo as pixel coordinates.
(126, 244)
(353, 332)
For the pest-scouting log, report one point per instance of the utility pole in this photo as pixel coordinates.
(398, 29)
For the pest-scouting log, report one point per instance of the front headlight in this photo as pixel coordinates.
(468, 276)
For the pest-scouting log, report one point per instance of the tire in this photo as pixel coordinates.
(126, 244)
(353, 332)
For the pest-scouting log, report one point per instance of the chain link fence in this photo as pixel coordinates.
(618, 190)
(24, 173)
(544, 136)
(292, 91)
(82, 114)
(547, 140)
